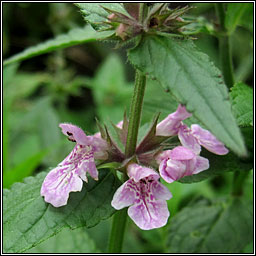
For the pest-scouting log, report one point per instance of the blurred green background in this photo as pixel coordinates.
(82, 82)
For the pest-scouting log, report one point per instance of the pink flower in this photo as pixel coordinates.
(196, 137)
(180, 162)
(171, 124)
(68, 175)
(192, 138)
(145, 196)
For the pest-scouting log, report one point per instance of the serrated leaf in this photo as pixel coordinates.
(67, 241)
(73, 37)
(233, 15)
(28, 220)
(96, 15)
(220, 227)
(193, 80)
(241, 97)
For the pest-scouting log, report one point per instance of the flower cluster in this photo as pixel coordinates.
(143, 192)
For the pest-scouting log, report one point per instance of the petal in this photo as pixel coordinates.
(120, 124)
(138, 172)
(162, 156)
(154, 215)
(160, 191)
(208, 140)
(182, 153)
(171, 170)
(125, 195)
(74, 133)
(201, 164)
(97, 135)
(99, 147)
(87, 164)
(82, 158)
(188, 140)
(58, 184)
(170, 125)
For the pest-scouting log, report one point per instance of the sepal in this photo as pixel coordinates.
(151, 141)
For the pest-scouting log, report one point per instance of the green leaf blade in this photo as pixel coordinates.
(241, 96)
(28, 220)
(67, 241)
(220, 227)
(73, 37)
(194, 81)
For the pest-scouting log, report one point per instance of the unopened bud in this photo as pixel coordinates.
(111, 16)
(121, 31)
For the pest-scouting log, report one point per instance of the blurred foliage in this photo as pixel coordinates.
(82, 82)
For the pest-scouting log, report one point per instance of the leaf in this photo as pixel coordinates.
(73, 37)
(233, 15)
(96, 15)
(241, 97)
(193, 80)
(28, 220)
(220, 227)
(23, 169)
(67, 241)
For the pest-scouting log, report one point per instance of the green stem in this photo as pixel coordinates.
(119, 219)
(135, 114)
(117, 231)
(238, 181)
(224, 47)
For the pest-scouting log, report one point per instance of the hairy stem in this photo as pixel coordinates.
(224, 47)
(119, 219)
(117, 231)
(135, 114)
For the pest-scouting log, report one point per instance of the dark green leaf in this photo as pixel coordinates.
(67, 241)
(241, 97)
(193, 80)
(73, 37)
(220, 227)
(234, 13)
(28, 220)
